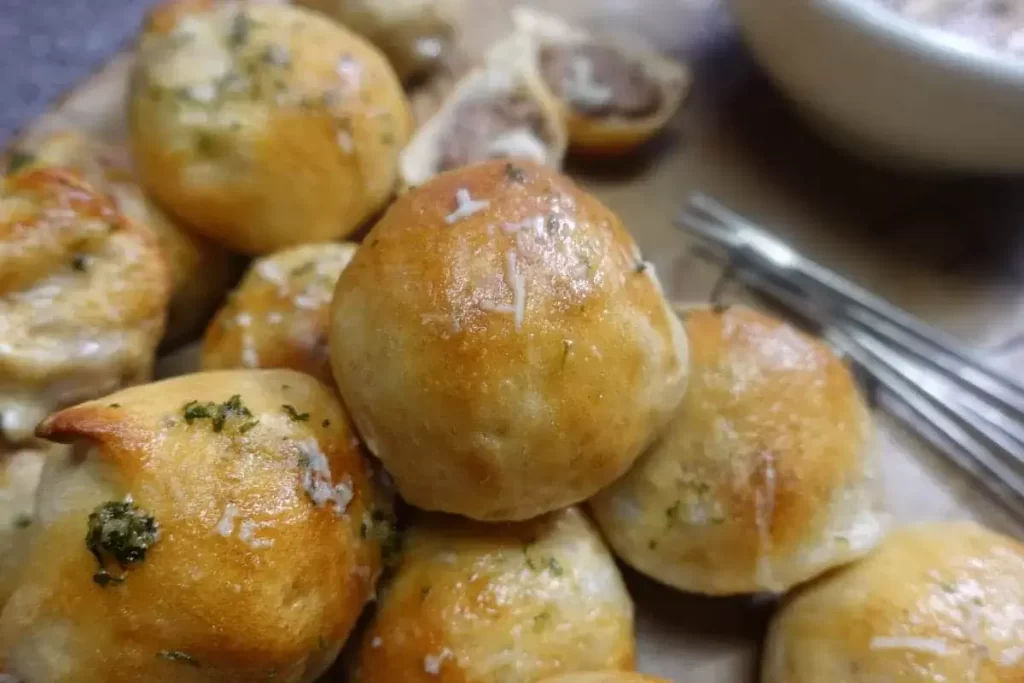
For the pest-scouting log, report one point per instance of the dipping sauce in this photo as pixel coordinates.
(995, 24)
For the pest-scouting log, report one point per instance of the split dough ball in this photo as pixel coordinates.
(509, 603)
(83, 297)
(279, 316)
(937, 602)
(200, 270)
(264, 125)
(768, 474)
(502, 345)
(209, 527)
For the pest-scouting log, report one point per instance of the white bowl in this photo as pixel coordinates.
(889, 88)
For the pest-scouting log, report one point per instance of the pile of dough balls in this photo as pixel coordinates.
(428, 446)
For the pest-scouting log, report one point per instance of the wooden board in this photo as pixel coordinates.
(947, 249)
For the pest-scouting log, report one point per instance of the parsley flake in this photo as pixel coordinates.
(514, 174)
(119, 532)
(294, 414)
(19, 160)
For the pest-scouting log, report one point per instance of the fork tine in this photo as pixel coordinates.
(764, 251)
(966, 451)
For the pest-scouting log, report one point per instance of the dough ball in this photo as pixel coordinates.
(502, 345)
(606, 677)
(510, 603)
(937, 602)
(209, 528)
(200, 270)
(767, 475)
(415, 35)
(614, 96)
(279, 316)
(83, 297)
(499, 110)
(264, 125)
(19, 477)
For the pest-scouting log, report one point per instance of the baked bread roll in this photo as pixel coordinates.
(19, 477)
(614, 96)
(606, 677)
(937, 602)
(200, 270)
(510, 603)
(83, 297)
(499, 110)
(766, 477)
(211, 527)
(414, 34)
(502, 345)
(279, 316)
(264, 125)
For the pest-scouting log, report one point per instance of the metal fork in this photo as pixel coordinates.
(969, 410)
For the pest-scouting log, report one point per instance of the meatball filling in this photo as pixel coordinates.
(509, 126)
(598, 80)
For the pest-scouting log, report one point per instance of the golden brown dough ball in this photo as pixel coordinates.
(83, 297)
(509, 603)
(19, 477)
(937, 602)
(614, 95)
(502, 345)
(766, 477)
(606, 677)
(414, 34)
(264, 125)
(200, 270)
(279, 316)
(210, 527)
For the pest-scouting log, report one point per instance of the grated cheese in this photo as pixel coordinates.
(432, 664)
(465, 206)
(1011, 656)
(345, 141)
(247, 535)
(376, 642)
(226, 526)
(317, 479)
(933, 646)
(518, 286)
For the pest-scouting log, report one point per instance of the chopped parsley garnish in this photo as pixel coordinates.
(326, 423)
(176, 656)
(219, 413)
(294, 414)
(22, 521)
(719, 308)
(80, 262)
(641, 266)
(566, 350)
(19, 160)
(673, 511)
(114, 405)
(119, 532)
(514, 174)
(555, 566)
(241, 27)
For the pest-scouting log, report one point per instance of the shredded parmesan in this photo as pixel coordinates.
(247, 535)
(376, 642)
(764, 512)
(226, 526)
(933, 646)
(465, 206)
(345, 141)
(317, 480)
(243, 319)
(275, 318)
(432, 663)
(518, 286)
